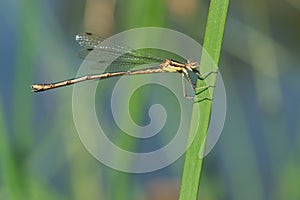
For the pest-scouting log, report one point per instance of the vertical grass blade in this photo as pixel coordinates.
(10, 188)
(212, 44)
(124, 181)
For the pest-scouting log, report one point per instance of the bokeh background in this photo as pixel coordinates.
(257, 156)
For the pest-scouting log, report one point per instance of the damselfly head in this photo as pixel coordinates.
(192, 64)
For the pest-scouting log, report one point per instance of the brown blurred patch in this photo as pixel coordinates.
(163, 189)
(99, 16)
(182, 8)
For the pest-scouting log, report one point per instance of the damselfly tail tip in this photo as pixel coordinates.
(36, 88)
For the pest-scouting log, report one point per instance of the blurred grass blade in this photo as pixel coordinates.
(212, 44)
(10, 188)
(120, 180)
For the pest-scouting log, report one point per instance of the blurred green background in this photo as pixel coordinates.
(257, 156)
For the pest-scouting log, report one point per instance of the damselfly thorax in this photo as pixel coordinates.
(91, 42)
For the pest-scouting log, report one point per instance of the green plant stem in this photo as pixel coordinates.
(212, 45)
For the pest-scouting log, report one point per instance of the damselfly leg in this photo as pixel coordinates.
(107, 53)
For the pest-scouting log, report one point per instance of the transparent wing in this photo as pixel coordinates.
(104, 52)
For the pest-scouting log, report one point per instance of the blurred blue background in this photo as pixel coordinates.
(257, 156)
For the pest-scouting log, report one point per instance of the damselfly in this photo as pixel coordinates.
(91, 42)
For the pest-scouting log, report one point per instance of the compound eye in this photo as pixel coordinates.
(190, 61)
